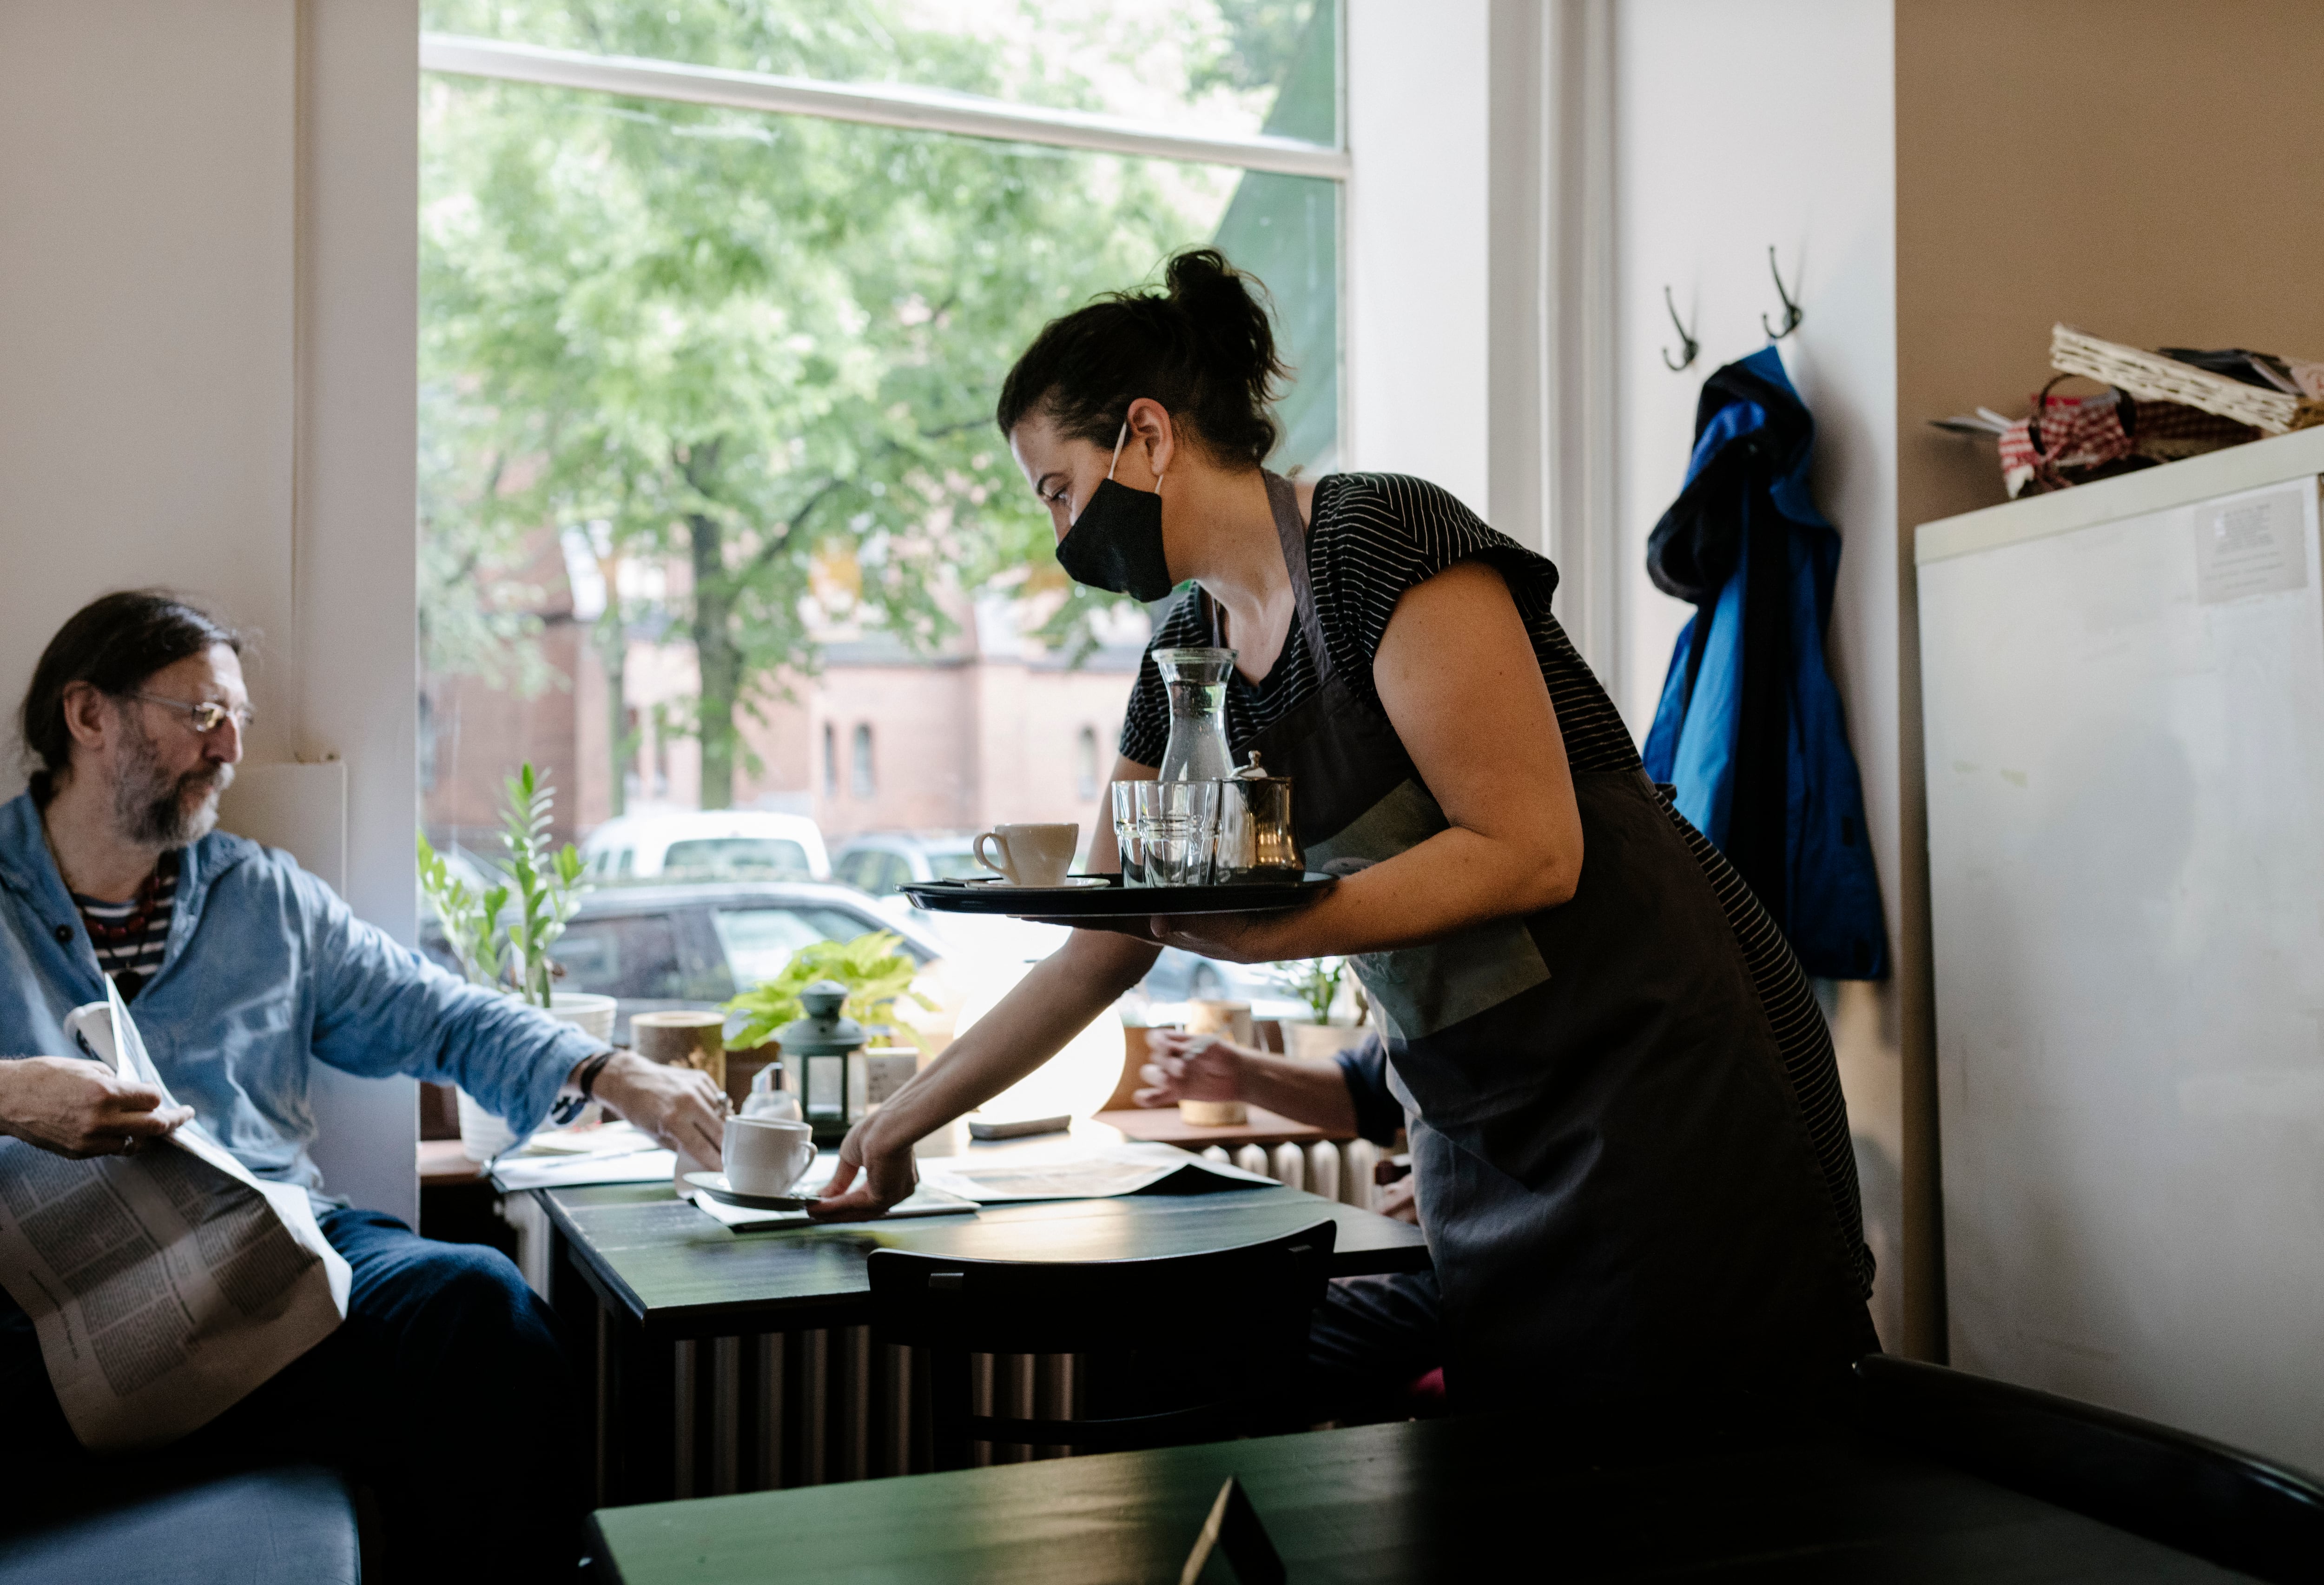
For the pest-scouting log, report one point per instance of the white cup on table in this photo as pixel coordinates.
(1030, 855)
(766, 1156)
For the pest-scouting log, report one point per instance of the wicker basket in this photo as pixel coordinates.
(2153, 377)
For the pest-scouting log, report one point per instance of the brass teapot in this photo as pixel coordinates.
(1257, 838)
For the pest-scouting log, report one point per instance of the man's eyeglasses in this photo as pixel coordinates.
(204, 715)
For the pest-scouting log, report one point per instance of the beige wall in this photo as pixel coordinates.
(208, 318)
(2141, 168)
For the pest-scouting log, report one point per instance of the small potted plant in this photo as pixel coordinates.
(510, 955)
(1334, 999)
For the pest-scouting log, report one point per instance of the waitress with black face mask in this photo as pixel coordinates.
(1631, 1152)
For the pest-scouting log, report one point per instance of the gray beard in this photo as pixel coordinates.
(149, 804)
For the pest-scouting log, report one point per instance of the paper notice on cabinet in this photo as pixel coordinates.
(164, 1286)
(2253, 545)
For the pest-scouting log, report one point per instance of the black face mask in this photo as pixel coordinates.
(1116, 542)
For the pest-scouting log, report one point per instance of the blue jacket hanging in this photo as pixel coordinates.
(1749, 728)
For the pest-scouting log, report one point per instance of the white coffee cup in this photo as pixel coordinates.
(766, 1156)
(1031, 855)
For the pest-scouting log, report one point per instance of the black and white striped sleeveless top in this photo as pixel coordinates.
(1370, 537)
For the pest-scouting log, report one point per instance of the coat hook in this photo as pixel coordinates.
(1687, 343)
(1792, 315)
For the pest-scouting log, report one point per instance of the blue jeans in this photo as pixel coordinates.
(445, 1392)
(1371, 1338)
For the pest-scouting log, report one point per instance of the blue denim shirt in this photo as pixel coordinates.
(266, 969)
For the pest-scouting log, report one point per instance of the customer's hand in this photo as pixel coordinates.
(1397, 1200)
(887, 1175)
(680, 1106)
(80, 1108)
(1189, 1066)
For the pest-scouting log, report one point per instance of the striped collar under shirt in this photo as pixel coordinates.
(132, 937)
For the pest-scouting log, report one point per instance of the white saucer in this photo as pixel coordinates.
(1070, 883)
(715, 1184)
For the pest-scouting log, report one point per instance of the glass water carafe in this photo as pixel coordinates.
(1197, 682)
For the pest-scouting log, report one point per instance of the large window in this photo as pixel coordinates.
(716, 299)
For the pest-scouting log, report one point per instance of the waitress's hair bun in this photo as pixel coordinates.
(1201, 347)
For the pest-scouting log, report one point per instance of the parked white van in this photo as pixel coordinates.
(708, 844)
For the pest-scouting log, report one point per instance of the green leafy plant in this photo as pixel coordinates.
(765, 347)
(545, 885)
(548, 883)
(1315, 981)
(875, 972)
(471, 920)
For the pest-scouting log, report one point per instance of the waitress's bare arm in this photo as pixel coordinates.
(1064, 991)
(1457, 677)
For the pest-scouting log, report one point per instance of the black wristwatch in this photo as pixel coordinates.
(585, 1080)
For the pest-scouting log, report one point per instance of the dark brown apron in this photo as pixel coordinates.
(1618, 1190)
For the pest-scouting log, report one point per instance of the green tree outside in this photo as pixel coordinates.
(763, 347)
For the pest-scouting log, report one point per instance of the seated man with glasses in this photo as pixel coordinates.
(443, 1390)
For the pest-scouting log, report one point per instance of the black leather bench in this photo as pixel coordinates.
(294, 1525)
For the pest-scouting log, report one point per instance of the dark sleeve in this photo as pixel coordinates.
(1146, 724)
(1364, 1069)
(1374, 536)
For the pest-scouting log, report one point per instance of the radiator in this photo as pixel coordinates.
(770, 1410)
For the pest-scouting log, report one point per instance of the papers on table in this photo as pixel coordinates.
(164, 1286)
(566, 1158)
(923, 1201)
(1072, 1170)
(1077, 1168)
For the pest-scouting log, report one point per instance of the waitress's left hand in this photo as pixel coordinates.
(1233, 938)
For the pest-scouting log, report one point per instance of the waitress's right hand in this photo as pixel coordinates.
(886, 1174)
(1190, 1067)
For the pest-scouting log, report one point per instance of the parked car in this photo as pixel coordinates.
(654, 948)
(881, 862)
(706, 844)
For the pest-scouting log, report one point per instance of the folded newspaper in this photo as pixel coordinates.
(164, 1286)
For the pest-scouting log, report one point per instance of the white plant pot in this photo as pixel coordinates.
(1321, 1040)
(484, 1136)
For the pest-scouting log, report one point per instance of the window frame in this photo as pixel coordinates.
(919, 109)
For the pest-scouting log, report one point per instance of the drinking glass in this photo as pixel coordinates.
(1177, 831)
(1132, 847)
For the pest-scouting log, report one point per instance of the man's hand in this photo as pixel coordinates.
(1190, 1067)
(680, 1106)
(1397, 1200)
(80, 1108)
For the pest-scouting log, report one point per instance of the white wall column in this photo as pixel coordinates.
(208, 331)
(1739, 124)
(355, 550)
(1419, 329)
(1479, 271)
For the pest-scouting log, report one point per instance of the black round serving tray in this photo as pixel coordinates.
(1115, 901)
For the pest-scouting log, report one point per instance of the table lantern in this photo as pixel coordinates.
(826, 1051)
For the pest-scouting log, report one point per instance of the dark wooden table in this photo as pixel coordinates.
(1443, 1500)
(662, 1264)
(650, 1273)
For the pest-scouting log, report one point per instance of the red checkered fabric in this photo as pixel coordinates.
(2084, 437)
